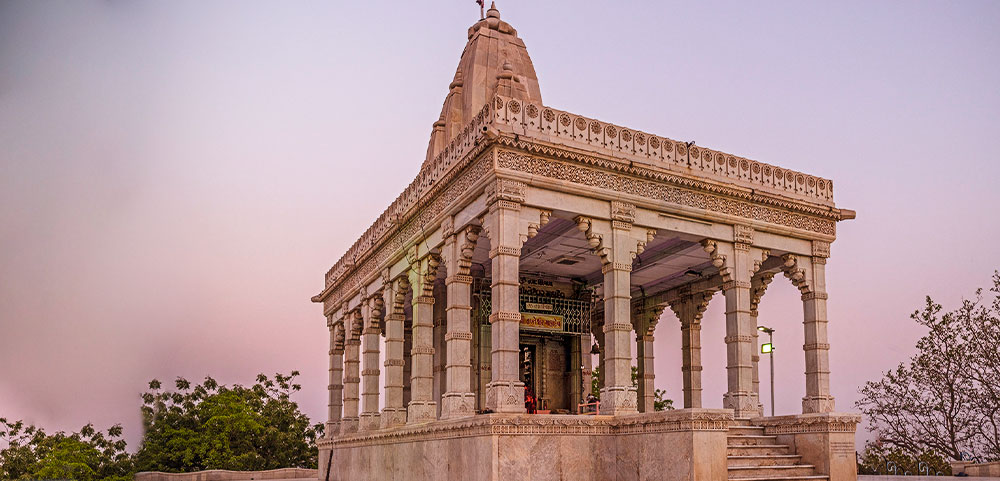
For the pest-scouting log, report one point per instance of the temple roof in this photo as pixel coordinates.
(495, 61)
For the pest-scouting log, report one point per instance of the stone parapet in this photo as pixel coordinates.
(683, 444)
(565, 128)
(825, 440)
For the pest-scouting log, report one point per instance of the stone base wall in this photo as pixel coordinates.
(824, 440)
(227, 475)
(685, 444)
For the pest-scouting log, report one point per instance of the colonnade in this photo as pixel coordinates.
(355, 333)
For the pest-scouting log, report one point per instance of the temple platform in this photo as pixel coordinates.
(683, 444)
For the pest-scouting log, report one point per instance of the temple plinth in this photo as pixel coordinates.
(534, 242)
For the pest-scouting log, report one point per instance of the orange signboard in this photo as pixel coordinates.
(547, 322)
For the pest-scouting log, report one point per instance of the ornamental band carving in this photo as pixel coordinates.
(658, 191)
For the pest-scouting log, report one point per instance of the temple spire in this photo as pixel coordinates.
(495, 61)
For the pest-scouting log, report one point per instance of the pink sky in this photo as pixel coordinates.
(176, 177)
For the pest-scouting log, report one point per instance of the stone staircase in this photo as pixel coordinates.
(754, 456)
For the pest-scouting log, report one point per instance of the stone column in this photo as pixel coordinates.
(423, 271)
(505, 392)
(755, 359)
(484, 368)
(618, 396)
(811, 282)
(371, 340)
(440, 326)
(459, 400)
(352, 379)
(645, 321)
(587, 361)
(407, 358)
(736, 268)
(336, 388)
(758, 285)
(689, 309)
(575, 363)
(647, 389)
(394, 412)
(598, 330)
(617, 247)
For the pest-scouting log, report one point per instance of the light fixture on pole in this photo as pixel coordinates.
(768, 348)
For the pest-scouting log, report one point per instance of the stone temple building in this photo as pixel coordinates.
(466, 321)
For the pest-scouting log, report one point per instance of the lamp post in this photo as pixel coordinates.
(768, 348)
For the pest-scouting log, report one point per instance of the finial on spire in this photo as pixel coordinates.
(506, 71)
(493, 12)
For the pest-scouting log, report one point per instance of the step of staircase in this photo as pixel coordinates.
(759, 450)
(784, 478)
(751, 439)
(764, 460)
(741, 430)
(766, 471)
(755, 456)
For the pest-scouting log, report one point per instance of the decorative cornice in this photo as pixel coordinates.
(752, 195)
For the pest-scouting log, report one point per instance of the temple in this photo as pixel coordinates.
(537, 248)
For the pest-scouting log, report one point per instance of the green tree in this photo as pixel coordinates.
(212, 426)
(660, 403)
(946, 399)
(87, 455)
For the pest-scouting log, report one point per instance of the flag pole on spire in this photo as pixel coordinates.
(481, 7)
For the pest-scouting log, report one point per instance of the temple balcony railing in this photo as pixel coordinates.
(571, 130)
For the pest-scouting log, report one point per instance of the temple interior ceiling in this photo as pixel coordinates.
(560, 251)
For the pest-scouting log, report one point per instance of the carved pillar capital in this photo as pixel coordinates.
(821, 249)
(423, 271)
(505, 194)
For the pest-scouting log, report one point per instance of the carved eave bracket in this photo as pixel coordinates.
(619, 241)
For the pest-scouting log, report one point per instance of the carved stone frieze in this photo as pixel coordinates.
(663, 192)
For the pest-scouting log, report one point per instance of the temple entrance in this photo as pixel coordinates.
(555, 320)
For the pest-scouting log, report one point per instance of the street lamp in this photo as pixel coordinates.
(768, 348)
